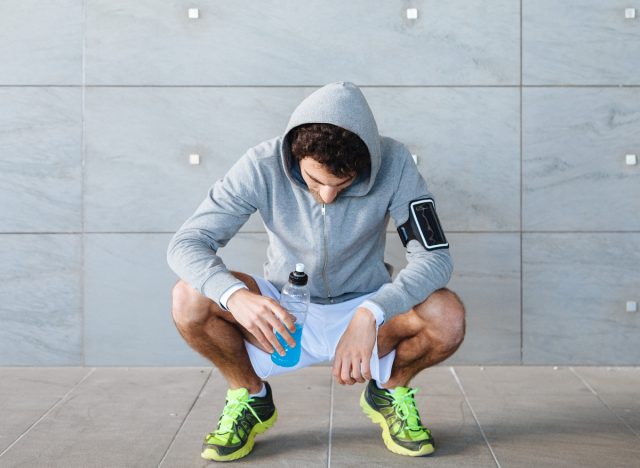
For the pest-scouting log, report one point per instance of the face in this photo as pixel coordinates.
(323, 185)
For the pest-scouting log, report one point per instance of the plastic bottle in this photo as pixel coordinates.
(295, 299)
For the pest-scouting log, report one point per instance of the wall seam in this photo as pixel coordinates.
(521, 204)
(418, 86)
(82, 185)
(39, 233)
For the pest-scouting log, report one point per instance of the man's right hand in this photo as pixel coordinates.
(260, 315)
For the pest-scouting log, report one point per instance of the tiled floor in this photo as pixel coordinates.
(156, 417)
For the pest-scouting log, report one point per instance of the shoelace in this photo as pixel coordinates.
(405, 407)
(230, 413)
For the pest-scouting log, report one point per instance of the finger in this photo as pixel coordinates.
(345, 372)
(266, 346)
(366, 369)
(280, 328)
(289, 320)
(271, 337)
(337, 367)
(285, 317)
(355, 371)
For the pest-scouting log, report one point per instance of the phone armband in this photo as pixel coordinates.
(423, 225)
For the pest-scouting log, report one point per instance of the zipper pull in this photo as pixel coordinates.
(323, 209)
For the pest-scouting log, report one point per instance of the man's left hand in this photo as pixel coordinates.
(354, 349)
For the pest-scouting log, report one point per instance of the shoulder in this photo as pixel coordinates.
(265, 152)
(259, 159)
(258, 170)
(394, 154)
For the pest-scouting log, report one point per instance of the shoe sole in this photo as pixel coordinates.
(377, 418)
(211, 454)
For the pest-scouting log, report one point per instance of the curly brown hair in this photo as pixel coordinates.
(342, 152)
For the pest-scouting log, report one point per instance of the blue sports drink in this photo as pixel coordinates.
(295, 299)
(292, 355)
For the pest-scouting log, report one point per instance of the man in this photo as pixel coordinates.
(325, 190)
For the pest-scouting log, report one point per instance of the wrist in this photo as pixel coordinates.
(375, 309)
(235, 296)
(227, 294)
(365, 314)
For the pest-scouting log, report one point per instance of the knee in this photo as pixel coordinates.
(189, 308)
(446, 319)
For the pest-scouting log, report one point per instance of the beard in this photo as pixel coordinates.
(316, 196)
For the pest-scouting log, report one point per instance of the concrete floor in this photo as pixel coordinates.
(157, 417)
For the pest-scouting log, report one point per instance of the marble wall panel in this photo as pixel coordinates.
(41, 297)
(574, 172)
(41, 42)
(583, 42)
(575, 289)
(292, 43)
(40, 159)
(127, 303)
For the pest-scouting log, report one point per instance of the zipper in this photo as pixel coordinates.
(326, 253)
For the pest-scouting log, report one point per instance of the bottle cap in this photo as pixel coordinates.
(298, 277)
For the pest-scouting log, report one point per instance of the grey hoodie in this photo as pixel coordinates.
(342, 243)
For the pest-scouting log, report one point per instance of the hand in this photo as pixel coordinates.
(354, 349)
(261, 315)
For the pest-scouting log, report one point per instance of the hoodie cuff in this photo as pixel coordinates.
(216, 285)
(227, 294)
(376, 310)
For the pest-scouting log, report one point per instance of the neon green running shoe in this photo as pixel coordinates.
(242, 418)
(397, 415)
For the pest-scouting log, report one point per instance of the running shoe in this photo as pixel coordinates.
(397, 415)
(242, 418)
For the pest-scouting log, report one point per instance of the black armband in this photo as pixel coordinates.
(423, 225)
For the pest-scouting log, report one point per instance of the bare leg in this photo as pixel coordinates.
(214, 333)
(426, 335)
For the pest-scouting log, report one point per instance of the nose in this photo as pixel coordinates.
(328, 194)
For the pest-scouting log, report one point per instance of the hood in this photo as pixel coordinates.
(342, 104)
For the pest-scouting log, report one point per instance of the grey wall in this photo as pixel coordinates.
(521, 113)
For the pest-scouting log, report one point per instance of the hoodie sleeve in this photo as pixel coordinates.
(426, 271)
(192, 252)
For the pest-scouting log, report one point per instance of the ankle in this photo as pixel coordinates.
(386, 386)
(251, 388)
(260, 393)
(393, 383)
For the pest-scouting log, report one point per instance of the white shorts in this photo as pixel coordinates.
(322, 330)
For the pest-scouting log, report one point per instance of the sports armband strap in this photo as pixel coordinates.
(423, 225)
